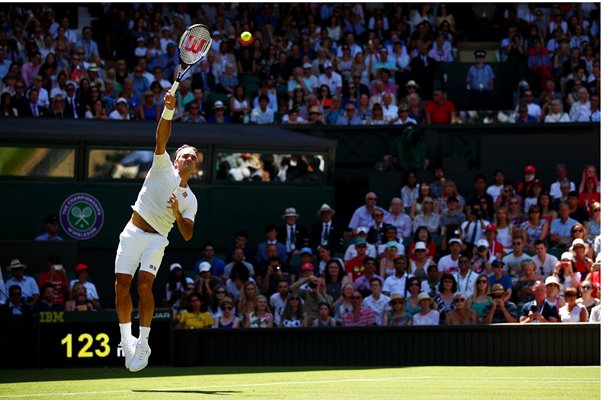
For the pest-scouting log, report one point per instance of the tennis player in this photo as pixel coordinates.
(164, 198)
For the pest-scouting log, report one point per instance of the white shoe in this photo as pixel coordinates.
(128, 347)
(141, 356)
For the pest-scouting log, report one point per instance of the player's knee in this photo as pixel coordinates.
(122, 283)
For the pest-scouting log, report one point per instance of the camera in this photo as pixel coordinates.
(57, 267)
(312, 285)
(534, 308)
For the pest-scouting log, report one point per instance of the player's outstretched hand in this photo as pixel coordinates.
(169, 100)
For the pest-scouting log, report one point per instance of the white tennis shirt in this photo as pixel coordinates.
(152, 202)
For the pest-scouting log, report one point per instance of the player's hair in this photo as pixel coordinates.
(184, 146)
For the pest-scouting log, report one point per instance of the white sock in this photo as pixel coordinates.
(144, 333)
(126, 330)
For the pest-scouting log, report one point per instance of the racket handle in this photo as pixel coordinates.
(174, 87)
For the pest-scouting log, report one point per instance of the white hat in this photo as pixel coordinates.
(423, 296)
(362, 229)
(15, 263)
(204, 267)
(567, 255)
(326, 207)
(419, 246)
(166, 28)
(454, 240)
(121, 100)
(579, 242)
(553, 279)
(218, 104)
(290, 212)
(327, 64)
(306, 65)
(175, 266)
(482, 243)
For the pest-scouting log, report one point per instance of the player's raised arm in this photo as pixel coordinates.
(162, 134)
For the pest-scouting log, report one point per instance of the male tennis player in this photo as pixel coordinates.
(164, 198)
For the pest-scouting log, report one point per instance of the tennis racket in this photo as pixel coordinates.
(194, 44)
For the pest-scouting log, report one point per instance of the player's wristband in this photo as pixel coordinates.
(167, 114)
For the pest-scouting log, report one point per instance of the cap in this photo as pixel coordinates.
(290, 212)
(175, 266)
(307, 66)
(482, 243)
(480, 53)
(140, 39)
(529, 169)
(362, 229)
(307, 267)
(497, 288)
(554, 280)
(218, 105)
(423, 296)
(419, 246)
(537, 181)
(93, 67)
(204, 267)
(412, 83)
(454, 240)
(215, 33)
(392, 243)
(51, 219)
(360, 241)
(15, 263)
(578, 242)
(121, 100)
(497, 263)
(490, 228)
(327, 64)
(81, 267)
(567, 255)
(326, 207)
(166, 28)
(451, 198)
(305, 250)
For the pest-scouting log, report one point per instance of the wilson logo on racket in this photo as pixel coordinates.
(194, 44)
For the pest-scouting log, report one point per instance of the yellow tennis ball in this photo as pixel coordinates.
(246, 36)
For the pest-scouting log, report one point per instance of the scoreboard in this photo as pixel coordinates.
(91, 339)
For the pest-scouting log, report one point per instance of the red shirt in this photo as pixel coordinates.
(587, 199)
(431, 250)
(440, 114)
(61, 284)
(355, 267)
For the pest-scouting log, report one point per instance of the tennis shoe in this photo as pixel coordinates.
(128, 347)
(141, 356)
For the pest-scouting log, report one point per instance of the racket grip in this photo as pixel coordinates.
(174, 87)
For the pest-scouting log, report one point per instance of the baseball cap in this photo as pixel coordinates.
(327, 64)
(451, 198)
(529, 169)
(204, 267)
(362, 229)
(482, 243)
(307, 65)
(305, 250)
(307, 267)
(454, 240)
(81, 267)
(490, 227)
(121, 100)
(175, 266)
(359, 241)
(51, 219)
(480, 53)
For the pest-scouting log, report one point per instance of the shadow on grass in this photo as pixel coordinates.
(209, 392)
(69, 374)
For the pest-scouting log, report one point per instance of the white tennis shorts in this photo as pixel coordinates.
(138, 247)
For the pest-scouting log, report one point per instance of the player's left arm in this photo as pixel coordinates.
(185, 225)
(162, 133)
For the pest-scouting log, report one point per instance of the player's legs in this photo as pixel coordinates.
(123, 300)
(146, 302)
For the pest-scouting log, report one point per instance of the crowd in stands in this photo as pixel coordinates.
(506, 252)
(309, 63)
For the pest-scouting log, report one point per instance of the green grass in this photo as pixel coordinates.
(317, 383)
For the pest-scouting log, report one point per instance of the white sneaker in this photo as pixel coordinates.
(128, 347)
(141, 356)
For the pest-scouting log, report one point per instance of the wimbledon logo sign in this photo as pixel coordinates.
(81, 216)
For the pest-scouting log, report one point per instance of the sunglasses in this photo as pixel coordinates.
(459, 300)
(413, 284)
(227, 308)
(482, 282)
(570, 295)
(497, 266)
(220, 292)
(397, 302)
(517, 243)
(586, 287)
(577, 230)
(356, 297)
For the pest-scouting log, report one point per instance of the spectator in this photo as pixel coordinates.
(377, 301)
(460, 315)
(57, 276)
(261, 317)
(427, 315)
(561, 177)
(47, 300)
(81, 274)
(396, 283)
(16, 304)
(335, 112)
(534, 229)
(451, 214)
(293, 315)
(6, 106)
(274, 274)
(330, 78)
(473, 230)
(422, 71)
(51, 223)
(572, 311)
(195, 316)
(515, 258)
(227, 319)
(262, 114)
(121, 112)
(545, 262)
(377, 116)
(580, 110)
(587, 300)
(524, 117)
(363, 282)
(501, 310)
(539, 63)
(359, 315)
(219, 116)
(363, 215)
(325, 319)
(439, 110)
(465, 277)
(396, 316)
(31, 68)
(349, 117)
(363, 110)
(560, 231)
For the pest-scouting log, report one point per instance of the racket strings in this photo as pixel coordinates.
(194, 44)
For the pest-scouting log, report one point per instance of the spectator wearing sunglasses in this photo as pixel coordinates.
(227, 320)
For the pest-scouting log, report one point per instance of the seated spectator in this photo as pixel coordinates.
(208, 251)
(515, 258)
(220, 116)
(16, 304)
(544, 262)
(439, 110)
(403, 116)
(81, 274)
(389, 110)
(293, 315)
(195, 315)
(397, 218)
(426, 315)
(572, 311)
(51, 223)
(377, 116)
(324, 320)
(218, 295)
(521, 290)
(57, 276)
(501, 311)
(566, 272)
(539, 63)
(227, 82)
(121, 111)
(227, 319)
(363, 110)
(262, 114)
(363, 282)
(451, 214)
(359, 315)
(78, 299)
(460, 315)
(524, 117)
(349, 117)
(449, 263)
(444, 298)
(500, 278)
(560, 230)
(47, 300)
(430, 285)
(580, 110)
(587, 300)
(261, 317)
(556, 114)
(396, 316)
(377, 301)
(465, 277)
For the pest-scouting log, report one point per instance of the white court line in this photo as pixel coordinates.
(402, 379)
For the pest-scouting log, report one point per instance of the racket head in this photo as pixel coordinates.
(194, 44)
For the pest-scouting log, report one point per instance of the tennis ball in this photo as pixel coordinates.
(246, 38)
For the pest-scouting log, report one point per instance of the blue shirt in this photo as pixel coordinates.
(505, 281)
(479, 77)
(217, 266)
(562, 229)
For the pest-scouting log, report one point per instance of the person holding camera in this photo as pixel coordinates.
(57, 277)
(473, 230)
(274, 274)
(501, 311)
(312, 290)
(566, 273)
